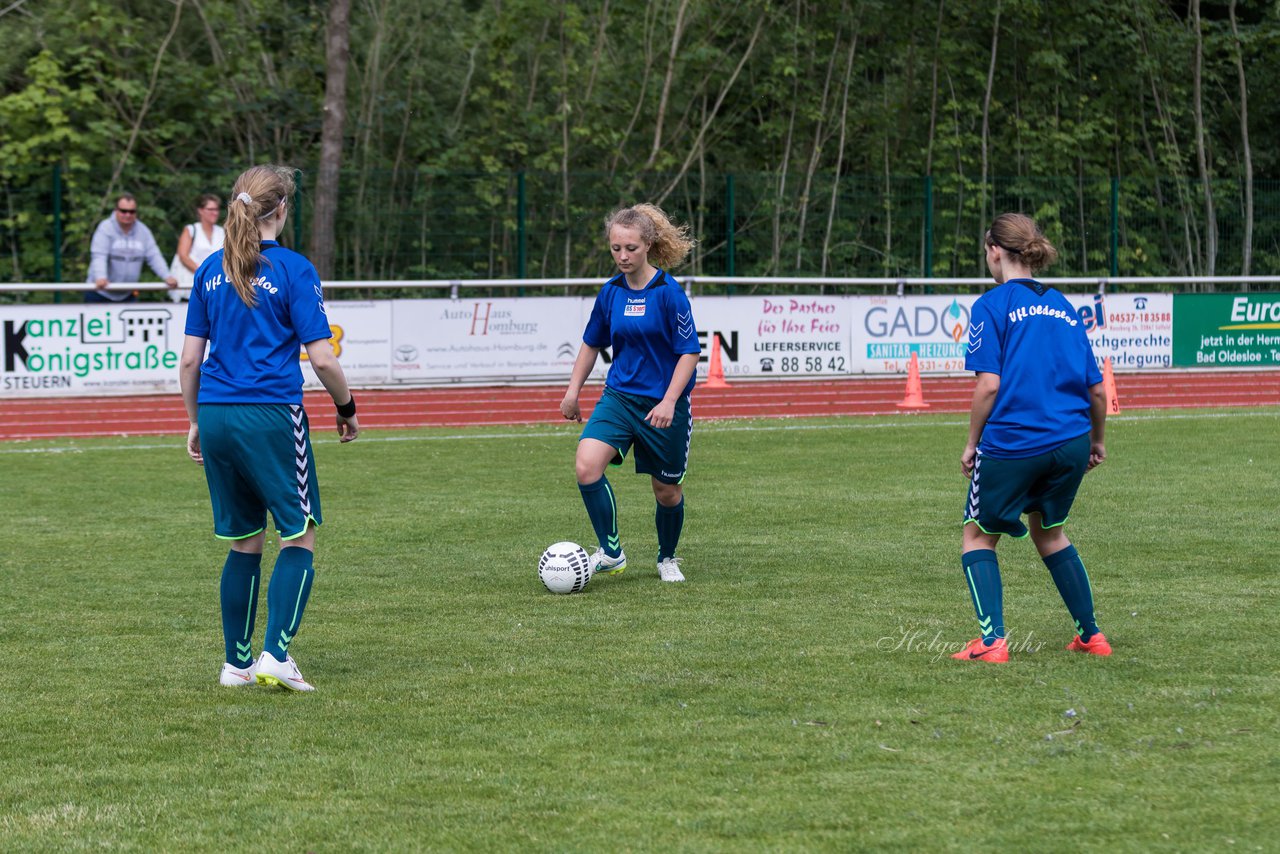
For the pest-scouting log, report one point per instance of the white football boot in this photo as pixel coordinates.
(602, 563)
(237, 677)
(273, 671)
(669, 569)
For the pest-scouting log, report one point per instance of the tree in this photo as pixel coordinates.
(440, 135)
(1246, 248)
(325, 208)
(1202, 155)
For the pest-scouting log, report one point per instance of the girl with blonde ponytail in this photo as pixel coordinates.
(253, 305)
(644, 316)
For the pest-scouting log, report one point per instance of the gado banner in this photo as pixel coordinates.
(887, 330)
(1226, 330)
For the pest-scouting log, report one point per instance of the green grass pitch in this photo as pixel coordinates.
(793, 695)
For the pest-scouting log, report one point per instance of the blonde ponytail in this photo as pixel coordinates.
(256, 195)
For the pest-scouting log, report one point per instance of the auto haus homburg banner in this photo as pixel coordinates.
(485, 338)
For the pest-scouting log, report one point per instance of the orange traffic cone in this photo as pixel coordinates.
(1109, 385)
(715, 371)
(915, 392)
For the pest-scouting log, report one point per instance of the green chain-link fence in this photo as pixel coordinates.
(425, 224)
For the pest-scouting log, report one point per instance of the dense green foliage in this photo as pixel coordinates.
(829, 116)
(793, 695)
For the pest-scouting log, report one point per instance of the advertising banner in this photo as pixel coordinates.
(1226, 330)
(777, 336)
(134, 348)
(888, 329)
(1133, 330)
(486, 338)
(81, 349)
(361, 340)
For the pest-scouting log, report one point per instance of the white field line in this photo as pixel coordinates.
(15, 447)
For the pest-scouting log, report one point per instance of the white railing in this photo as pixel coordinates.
(899, 286)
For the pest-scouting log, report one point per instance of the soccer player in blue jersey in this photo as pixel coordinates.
(644, 315)
(254, 303)
(1035, 428)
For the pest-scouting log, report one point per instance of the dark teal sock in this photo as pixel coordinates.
(241, 575)
(287, 598)
(603, 512)
(982, 575)
(1073, 585)
(670, 522)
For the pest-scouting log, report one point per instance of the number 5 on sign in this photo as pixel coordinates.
(335, 338)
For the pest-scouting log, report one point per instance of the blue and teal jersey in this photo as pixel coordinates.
(649, 330)
(254, 352)
(1033, 339)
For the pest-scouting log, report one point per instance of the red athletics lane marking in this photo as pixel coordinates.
(385, 409)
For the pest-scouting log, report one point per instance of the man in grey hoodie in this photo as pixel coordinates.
(120, 245)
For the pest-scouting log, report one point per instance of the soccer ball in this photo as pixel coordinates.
(564, 568)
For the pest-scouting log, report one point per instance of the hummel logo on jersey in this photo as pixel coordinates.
(684, 324)
(975, 336)
(300, 461)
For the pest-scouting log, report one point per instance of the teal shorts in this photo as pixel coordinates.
(1002, 490)
(257, 458)
(618, 421)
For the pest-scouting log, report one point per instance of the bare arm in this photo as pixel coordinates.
(984, 400)
(329, 370)
(1097, 425)
(189, 379)
(582, 367)
(663, 414)
(184, 250)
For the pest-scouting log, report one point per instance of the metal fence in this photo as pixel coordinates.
(454, 289)
(422, 224)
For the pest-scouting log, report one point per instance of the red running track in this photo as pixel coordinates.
(387, 409)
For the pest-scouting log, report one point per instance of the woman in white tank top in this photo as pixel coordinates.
(197, 242)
